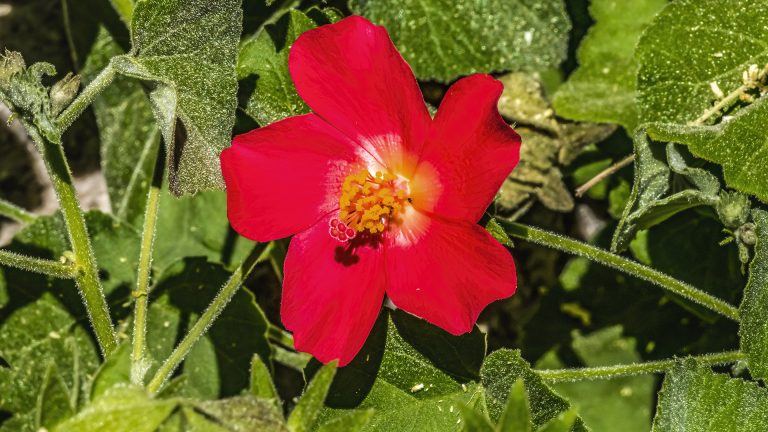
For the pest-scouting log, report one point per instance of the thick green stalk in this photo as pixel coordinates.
(37, 265)
(86, 97)
(86, 271)
(213, 310)
(139, 363)
(618, 371)
(16, 213)
(620, 263)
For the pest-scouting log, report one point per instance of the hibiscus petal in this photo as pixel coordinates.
(283, 177)
(470, 147)
(448, 272)
(351, 74)
(331, 294)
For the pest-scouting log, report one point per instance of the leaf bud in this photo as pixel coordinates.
(63, 92)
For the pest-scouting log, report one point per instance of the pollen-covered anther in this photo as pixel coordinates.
(369, 203)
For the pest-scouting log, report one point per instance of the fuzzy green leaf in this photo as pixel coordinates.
(501, 370)
(304, 416)
(753, 330)
(694, 399)
(120, 409)
(45, 351)
(602, 89)
(189, 49)
(740, 145)
(691, 44)
(443, 40)
(129, 137)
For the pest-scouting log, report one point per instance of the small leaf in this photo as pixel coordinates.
(651, 183)
(304, 415)
(564, 422)
(353, 422)
(602, 89)
(498, 233)
(120, 409)
(475, 421)
(444, 40)
(694, 399)
(517, 414)
(753, 330)
(262, 385)
(189, 50)
(501, 370)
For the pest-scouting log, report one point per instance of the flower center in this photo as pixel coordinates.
(368, 203)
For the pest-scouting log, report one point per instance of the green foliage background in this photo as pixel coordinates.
(677, 86)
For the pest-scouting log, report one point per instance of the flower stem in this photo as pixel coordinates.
(12, 211)
(37, 265)
(139, 364)
(211, 313)
(86, 97)
(624, 370)
(86, 271)
(622, 264)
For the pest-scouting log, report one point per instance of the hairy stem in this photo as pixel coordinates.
(620, 263)
(37, 265)
(205, 321)
(15, 212)
(139, 363)
(618, 371)
(86, 97)
(86, 271)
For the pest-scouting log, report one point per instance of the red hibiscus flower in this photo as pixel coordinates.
(382, 199)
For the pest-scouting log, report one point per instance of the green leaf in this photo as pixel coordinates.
(55, 400)
(739, 145)
(498, 233)
(262, 385)
(564, 422)
(607, 405)
(753, 330)
(656, 174)
(304, 416)
(443, 40)
(46, 351)
(129, 137)
(196, 226)
(476, 421)
(120, 409)
(189, 49)
(684, 50)
(517, 414)
(219, 364)
(242, 413)
(263, 59)
(353, 422)
(602, 89)
(501, 370)
(694, 399)
(414, 375)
